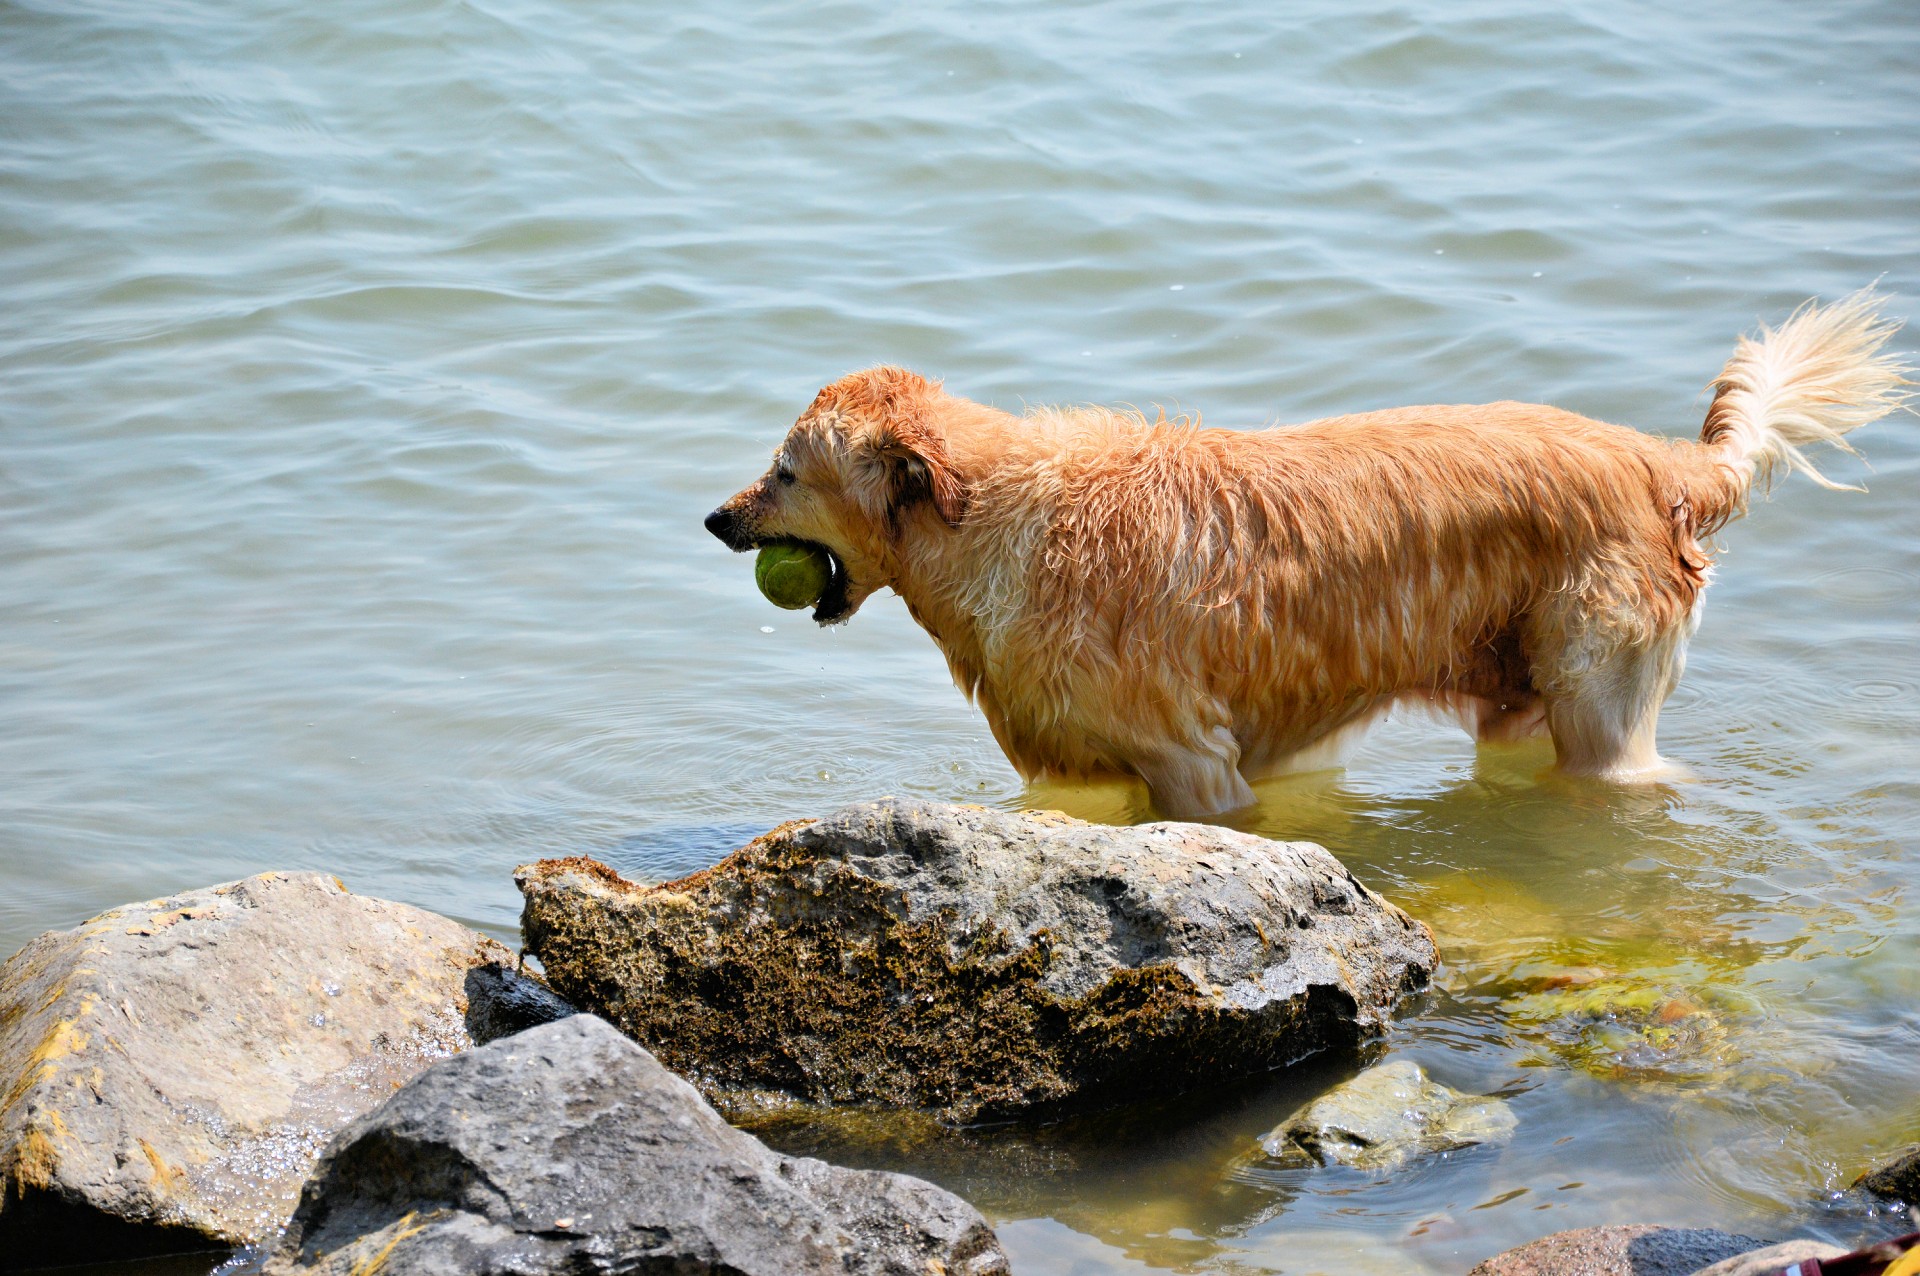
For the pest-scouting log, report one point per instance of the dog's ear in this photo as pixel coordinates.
(918, 469)
(903, 447)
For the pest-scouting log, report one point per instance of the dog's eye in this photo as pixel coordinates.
(784, 474)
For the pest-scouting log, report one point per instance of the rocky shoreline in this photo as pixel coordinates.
(172, 1068)
(351, 1085)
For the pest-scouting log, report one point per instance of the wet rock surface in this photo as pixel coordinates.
(1384, 1117)
(1772, 1259)
(502, 1001)
(979, 964)
(1898, 1179)
(1635, 1250)
(170, 1070)
(567, 1148)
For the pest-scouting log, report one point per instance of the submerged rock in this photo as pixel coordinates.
(170, 1070)
(1635, 1250)
(979, 964)
(568, 1149)
(1385, 1116)
(1898, 1179)
(1633, 1026)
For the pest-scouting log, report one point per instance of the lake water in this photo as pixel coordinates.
(368, 368)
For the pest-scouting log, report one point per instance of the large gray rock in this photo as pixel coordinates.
(568, 1149)
(1621, 1250)
(1387, 1115)
(979, 964)
(1898, 1179)
(170, 1070)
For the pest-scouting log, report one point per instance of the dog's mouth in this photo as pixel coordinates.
(834, 605)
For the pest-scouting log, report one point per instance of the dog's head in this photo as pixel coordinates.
(865, 462)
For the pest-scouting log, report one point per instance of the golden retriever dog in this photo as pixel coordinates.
(1202, 608)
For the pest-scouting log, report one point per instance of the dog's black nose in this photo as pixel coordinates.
(720, 523)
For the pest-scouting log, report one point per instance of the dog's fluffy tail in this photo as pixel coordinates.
(1815, 379)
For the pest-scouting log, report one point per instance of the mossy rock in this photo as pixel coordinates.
(1898, 1179)
(976, 964)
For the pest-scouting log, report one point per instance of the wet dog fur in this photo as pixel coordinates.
(1202, 608)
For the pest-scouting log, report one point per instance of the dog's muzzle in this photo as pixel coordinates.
(834, 605)
(725, 524)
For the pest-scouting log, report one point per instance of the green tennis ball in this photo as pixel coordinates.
(792, 576)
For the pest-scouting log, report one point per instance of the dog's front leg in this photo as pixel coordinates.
(1198, 782)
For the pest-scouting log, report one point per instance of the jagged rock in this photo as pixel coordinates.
(1898, 1179)
(1621, 1250)
(979, 964)
(1384, 1117)
(568, 1149)
(170, 1070)
(502, 1001)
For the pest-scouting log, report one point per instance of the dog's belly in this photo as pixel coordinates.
(1322, 747)
(1487, 690)
(1497, 669)
(1491, 692)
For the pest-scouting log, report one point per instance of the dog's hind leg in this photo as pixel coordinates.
(1603, 705)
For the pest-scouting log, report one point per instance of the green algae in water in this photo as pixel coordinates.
(1642, 1015)
(1621, 1028)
